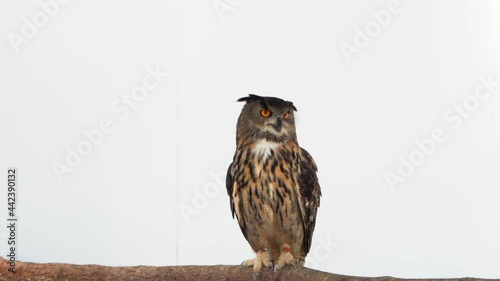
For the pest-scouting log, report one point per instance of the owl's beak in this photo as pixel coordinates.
(279, 125)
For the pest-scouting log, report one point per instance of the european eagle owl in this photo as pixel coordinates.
(272, 184)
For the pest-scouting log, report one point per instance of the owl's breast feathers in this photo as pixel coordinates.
(274, 191)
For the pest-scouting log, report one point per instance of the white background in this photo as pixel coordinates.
(357, 114)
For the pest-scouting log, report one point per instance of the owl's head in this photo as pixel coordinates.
(267, 118)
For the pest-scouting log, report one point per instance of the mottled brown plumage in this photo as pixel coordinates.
(272, 184)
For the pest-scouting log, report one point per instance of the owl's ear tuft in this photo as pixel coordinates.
(290, 104)
(250, 98)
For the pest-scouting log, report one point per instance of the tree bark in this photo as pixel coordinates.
(60, 272)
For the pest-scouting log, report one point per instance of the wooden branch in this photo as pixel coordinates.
(60, 272)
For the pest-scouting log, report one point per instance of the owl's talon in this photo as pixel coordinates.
(262, 259)
(247, 263)
(285, 258)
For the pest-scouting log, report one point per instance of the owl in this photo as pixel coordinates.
(272, 184)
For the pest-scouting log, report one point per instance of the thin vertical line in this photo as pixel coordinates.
(496, 122)
(178, 129)
(178, 167)
(178, 162)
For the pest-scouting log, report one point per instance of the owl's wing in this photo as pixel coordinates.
(230, 186)
(234, 199)
(309, 193)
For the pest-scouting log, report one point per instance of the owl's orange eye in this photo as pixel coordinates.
(286, 116)
(265, 113)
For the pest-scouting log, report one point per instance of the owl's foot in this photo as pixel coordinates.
(261, 260)
(286, 258)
